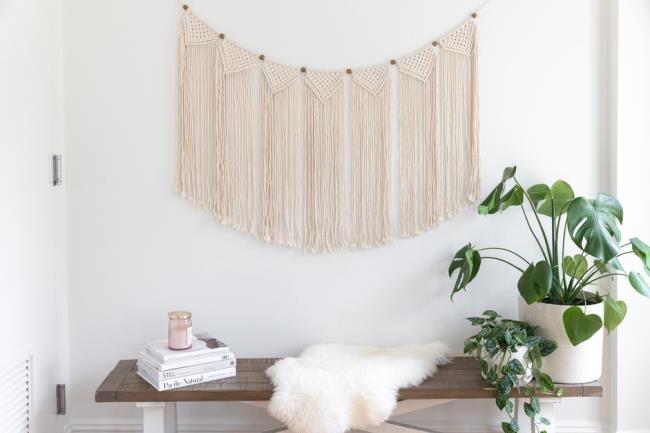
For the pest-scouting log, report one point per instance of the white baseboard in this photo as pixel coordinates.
(94, 425)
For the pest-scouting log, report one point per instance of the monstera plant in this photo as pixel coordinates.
(553, 213)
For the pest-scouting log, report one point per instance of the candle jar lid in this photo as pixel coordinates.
(179, 315)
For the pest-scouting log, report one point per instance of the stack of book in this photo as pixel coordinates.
(208, 359)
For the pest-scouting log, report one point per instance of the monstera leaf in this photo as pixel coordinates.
(593, 225)
(612, 266)
(575, 267)
(639, 283)
(642, 251)
(615, 312)
(580, 326)
(514, 197)
(535, 282)
(546, 199)
(467, 262)
(492, 203)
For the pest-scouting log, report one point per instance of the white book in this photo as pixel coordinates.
(188, 362)
(153, 372)
(193, 379)
(206, 345)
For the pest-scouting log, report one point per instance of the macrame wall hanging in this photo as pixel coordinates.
(264, 148)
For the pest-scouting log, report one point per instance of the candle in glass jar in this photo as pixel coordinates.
(179, 330)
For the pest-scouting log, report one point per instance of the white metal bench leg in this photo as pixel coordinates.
(158, 417)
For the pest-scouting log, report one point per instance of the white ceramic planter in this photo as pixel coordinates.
(569, 363)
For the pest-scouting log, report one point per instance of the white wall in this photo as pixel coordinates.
(633, 154)
(32, 212)
(137, 250)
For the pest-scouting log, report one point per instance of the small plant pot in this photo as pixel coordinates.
(518, 355)
(569, 364)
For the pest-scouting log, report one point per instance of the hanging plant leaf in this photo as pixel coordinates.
(642, 251)
(514, 197)
(580, 326)
(593, 226)
(535, 282)
(546, 199)
(639, 283)
(467, 261)
(615, 312)
(576, 266)
(492, 203)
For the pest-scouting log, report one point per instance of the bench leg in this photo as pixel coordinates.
(158, 417)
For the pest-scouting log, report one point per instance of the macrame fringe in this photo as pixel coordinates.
(201, 146)
(282, 203)
(458, 119)
(240, 177)
(419, 195)
(325, 194)
(370, 125)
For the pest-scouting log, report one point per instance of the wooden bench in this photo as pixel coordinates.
(459, 380)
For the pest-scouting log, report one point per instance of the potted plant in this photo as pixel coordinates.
(559, 290)
(510, 355)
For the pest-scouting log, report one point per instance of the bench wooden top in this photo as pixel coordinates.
(459, 380)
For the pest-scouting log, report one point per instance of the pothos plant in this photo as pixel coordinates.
(495, 346)
(551, 213)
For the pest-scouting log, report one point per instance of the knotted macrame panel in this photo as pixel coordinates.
(304, 158)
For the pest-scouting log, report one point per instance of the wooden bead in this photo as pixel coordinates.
(434, 43)
(349, 71)
(474, 15)
(393, 62)
(303, 69)
(262, 57)
(185, 7)
(221, 35)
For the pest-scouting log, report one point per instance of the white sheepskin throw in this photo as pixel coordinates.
(332, 388)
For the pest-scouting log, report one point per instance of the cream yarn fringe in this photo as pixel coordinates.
(263, 146)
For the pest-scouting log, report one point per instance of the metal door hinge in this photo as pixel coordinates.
(60, 399)
(57, 173)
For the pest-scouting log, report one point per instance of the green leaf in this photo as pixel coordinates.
(615, 312)
(545, 381)
(536, 404)
(609, 267)
(639, 283)
(491, 314)
(580, 326)
(576, 266)
(544, 421)
(492, 203)
(516, 366)
(546, 347)
(508, 173)
(514, 197)
(504, 386)
(546, 199)
(642, 251)
(505, 426)
(467, 261)
(593, 225)
(535, 282)
(528, 409)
